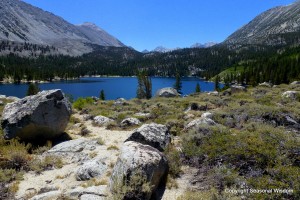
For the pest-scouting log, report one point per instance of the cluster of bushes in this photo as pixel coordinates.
(254, 144)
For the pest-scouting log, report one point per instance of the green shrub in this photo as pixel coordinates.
(80, 103)
(15, 154)
(173, 157)
(47, 163)
(136, 187)
(9, 175)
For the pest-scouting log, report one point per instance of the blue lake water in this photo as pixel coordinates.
(114, 87)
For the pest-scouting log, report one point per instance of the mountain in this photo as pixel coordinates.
(277, 26)
(162, 49)
(98, 35)
(205, 45)
(20, 22)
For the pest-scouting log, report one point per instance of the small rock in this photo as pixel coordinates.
(207, 115)
(214, 93)
(94, 190)
(295, 83)
(1, 103)
(147, 115)
(237, 89)
(101, 120)
(70, 146)
(2, 96)
(90, 169)
(155, 135)
(73, 151)
(120, 102)
(200, 121)
(47, 189)
(167, 92)
(130, 122)
(95, 98)
(92, 197)
(266, 84)
(290, 94)
(87, 117)
(47, 196)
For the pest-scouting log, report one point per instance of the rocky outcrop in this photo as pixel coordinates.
(155, 135)
(130, 122)
(290, 94)
(167, 92)
(138, 162)
(91, 169)
(39, 117)
(101, 120)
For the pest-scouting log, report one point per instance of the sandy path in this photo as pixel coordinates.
(64, 179)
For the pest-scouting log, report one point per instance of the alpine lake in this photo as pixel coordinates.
(114, 87)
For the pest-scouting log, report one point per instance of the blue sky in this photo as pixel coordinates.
(146, 24)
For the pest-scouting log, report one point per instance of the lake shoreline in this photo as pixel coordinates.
(55, 80)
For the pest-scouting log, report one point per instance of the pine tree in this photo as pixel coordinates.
(144, 90)
(102, 95)
(198, 89)
(178, 85)
(32, 89)
(217, 84)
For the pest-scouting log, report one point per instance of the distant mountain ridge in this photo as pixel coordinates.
(21, 22)
(272, 27)
(162, 49)
(205, 45)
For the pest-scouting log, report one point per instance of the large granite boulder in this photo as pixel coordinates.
(39, 117)
(138, 166)
(167, 92)
(155, 135)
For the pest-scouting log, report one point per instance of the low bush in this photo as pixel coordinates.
(136, 187)
(80, 103)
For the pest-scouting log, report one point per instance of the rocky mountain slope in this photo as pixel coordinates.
(21, 22)
(272, 27)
